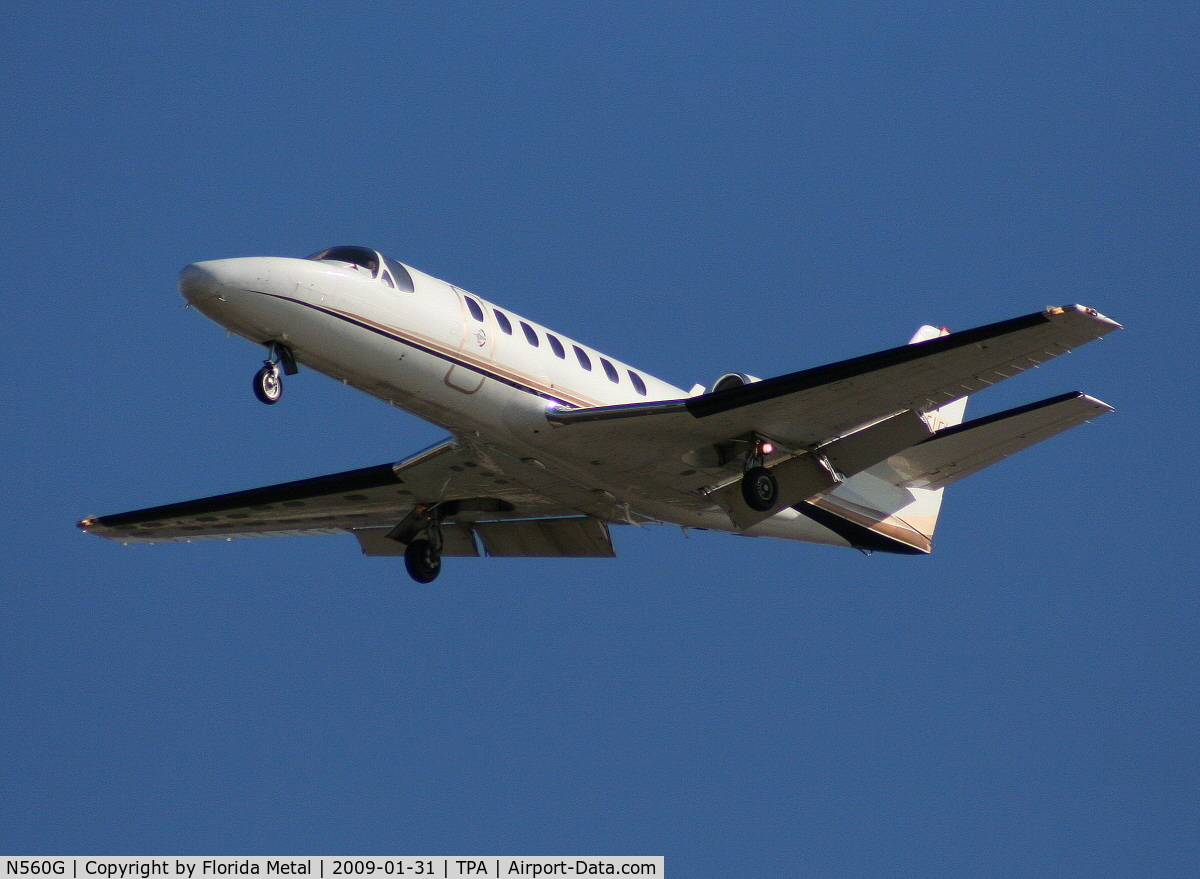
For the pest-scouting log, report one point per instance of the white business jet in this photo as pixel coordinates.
(552, 441)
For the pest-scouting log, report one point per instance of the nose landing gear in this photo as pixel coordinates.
(268, 384)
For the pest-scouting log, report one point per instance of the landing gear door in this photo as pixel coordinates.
(475, 345)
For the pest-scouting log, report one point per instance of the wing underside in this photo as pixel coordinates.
(507, 517)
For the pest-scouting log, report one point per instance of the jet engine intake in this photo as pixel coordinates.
(732, 380)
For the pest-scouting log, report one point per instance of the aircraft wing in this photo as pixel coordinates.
(510, 518)
(807, 409)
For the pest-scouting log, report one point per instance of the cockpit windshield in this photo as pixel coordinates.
(358, 256)
(368, 259)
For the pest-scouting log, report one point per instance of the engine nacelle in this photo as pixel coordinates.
(732, 380)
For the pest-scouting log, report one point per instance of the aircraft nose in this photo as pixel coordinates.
(198, 282)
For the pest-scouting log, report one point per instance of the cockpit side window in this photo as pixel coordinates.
(404, 281)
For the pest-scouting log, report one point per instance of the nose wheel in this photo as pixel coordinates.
(268, 383)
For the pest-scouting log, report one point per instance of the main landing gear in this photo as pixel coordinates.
(421, 530)
(423, 557)
(760, 489)
(268, 383)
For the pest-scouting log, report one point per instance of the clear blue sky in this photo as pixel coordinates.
(696, 189)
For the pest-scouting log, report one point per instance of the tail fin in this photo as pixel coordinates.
(922, 512)
(875, 510)
(952, 413)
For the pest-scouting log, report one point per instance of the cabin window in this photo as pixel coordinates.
(530, 334)
(502, 319)
(473, 307)
(581, 356)
(556, 346)
(638, 384)
(610, 371)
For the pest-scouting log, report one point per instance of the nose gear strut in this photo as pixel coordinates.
(268, 384)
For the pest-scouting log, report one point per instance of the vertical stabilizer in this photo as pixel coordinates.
(952, 413)
(920, 513)
(871, 510)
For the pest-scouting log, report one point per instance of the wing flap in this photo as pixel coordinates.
(570, 537)
(578, 537)
(956, 452)
(867, 447)
(457, 541)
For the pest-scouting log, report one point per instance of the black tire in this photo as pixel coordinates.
(268, 386)
(760, 490)
(423, 562)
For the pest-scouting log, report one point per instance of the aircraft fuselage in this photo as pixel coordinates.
(446, 355)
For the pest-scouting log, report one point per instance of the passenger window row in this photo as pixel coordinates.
(556, 346)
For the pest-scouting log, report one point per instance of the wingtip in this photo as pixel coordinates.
(1084, 310)
(1099, 405)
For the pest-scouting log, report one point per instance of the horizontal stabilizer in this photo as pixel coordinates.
(959, 451)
